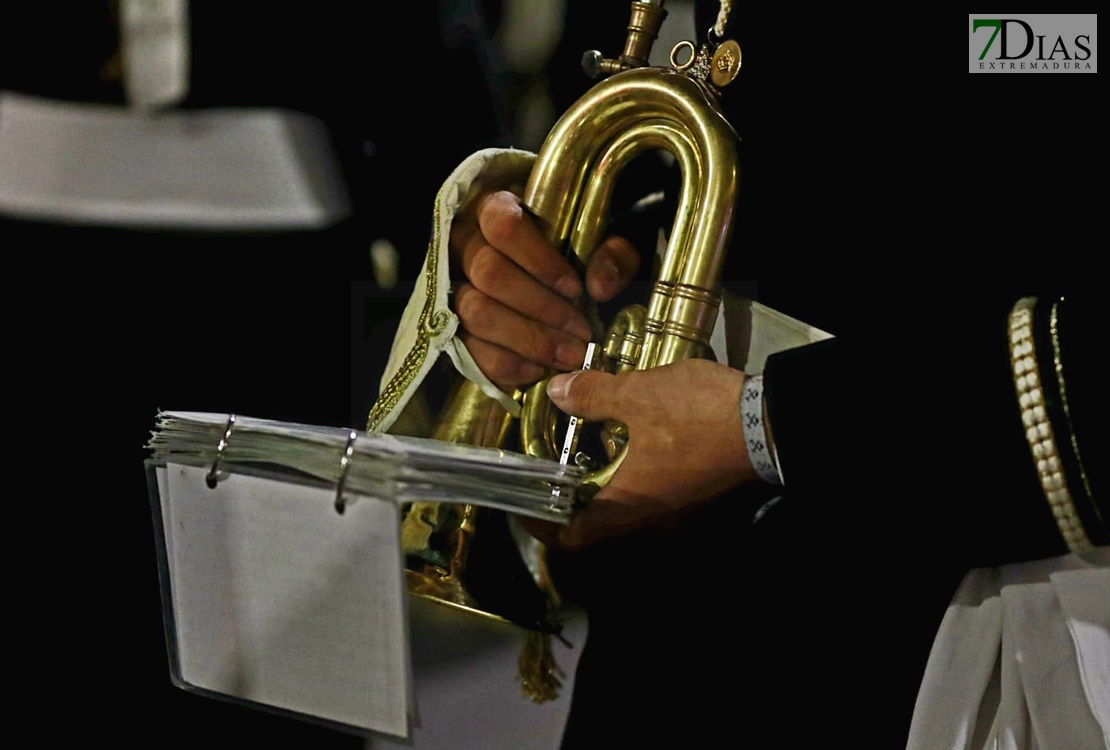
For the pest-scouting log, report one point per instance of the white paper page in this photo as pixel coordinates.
(281, 600)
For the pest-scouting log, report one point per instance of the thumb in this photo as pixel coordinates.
(590, 394)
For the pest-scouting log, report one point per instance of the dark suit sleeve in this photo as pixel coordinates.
(913, 447)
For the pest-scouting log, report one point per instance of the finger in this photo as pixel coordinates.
(504, 223)
(504, 367)
(585, 526)
(611, 267)
(498, 277)
(464, 231)
(489, 320)
(606, 515)
(595, 522)
(546, 532)
(591, 394)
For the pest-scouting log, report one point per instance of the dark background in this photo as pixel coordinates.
(863, 161)
(107, 325)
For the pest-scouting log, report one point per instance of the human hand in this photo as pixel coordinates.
(685, 445)
(518, 302)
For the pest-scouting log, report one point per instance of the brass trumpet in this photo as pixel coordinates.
(635, 109)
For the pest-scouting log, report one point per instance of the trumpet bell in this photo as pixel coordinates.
(470, 560)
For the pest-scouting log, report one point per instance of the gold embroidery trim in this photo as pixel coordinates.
(1059, 364)
(430, 324)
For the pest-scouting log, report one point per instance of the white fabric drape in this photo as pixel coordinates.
(1021, 660)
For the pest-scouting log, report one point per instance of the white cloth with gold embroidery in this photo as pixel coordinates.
(744, 335)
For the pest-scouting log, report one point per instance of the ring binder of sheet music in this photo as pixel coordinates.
(345, 465)
(280, 563)
(400, 467)
(213, 473)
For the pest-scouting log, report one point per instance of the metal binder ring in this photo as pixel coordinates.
(344, 465)
(210, 479)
